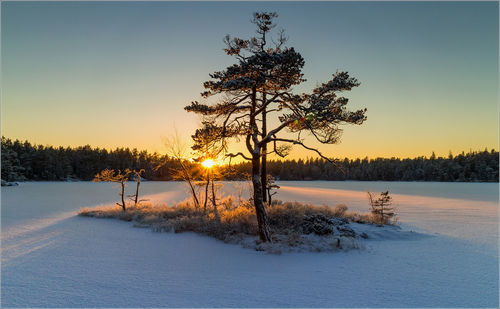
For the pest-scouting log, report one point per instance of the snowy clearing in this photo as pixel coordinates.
(52, 258)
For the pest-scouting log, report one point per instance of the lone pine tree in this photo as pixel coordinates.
(259, 85)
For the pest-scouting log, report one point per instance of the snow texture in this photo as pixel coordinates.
(445, 255)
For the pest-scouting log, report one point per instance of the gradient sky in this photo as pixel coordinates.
(115, 74)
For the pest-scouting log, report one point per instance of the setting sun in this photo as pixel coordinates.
(208, 163)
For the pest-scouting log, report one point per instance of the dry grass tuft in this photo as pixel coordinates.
(237, 222)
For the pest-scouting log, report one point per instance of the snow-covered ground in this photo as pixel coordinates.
(51, 258)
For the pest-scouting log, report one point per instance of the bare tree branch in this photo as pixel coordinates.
(297, 142)
(273, 132)
(234, 155)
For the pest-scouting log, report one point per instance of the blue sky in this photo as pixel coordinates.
(114, 74)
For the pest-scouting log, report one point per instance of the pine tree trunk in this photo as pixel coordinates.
(260, 210)
(263, 176)
(263, 168)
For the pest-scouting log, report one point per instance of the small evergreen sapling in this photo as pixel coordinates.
(381, 208)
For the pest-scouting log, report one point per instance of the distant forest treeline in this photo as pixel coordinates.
(24, 161)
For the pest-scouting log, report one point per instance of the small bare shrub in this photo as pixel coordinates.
(227, 202)
(118, 177)
(135, 197)
(339, 210)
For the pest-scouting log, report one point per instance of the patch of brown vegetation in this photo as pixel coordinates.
(236, 222)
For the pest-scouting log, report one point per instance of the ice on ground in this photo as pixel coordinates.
(51, 258)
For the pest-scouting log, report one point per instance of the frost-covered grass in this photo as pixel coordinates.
(290, 223)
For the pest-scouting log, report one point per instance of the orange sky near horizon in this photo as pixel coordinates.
(116, 74)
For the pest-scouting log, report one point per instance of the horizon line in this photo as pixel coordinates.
(485, 149)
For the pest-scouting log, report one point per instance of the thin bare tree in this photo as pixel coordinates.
(185, 170)
(118, 177)
(135, 197)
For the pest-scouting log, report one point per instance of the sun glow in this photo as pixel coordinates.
(208, 163)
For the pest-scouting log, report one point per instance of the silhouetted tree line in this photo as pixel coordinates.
(24, 161)
(472, 166)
